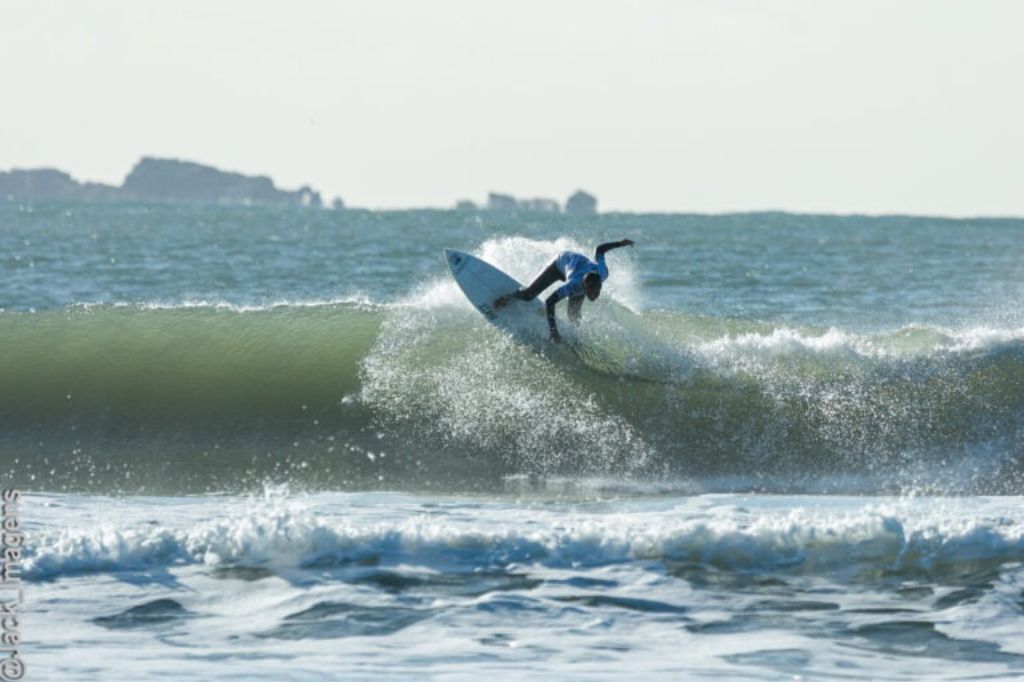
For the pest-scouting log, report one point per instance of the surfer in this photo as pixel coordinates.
(582, 277)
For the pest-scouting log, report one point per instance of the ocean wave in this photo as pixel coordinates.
(906, 342)
(281, 534)
(361, 300)
(350, 392)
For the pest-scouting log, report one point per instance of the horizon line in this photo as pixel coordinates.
(481, 208)
(599, 214)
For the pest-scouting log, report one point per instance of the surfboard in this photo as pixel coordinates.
(482, 283)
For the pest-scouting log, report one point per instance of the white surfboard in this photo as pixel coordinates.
(482, 283)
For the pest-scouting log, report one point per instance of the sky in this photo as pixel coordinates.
(893, 106)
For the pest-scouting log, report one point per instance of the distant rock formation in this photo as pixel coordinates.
(173, 181)
(540, 205)
(506, 202)
(50, 184)
(465, 205)
(158, 181)
(501, 202)
(581, 203)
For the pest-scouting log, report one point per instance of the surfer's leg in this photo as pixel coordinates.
(546, 278)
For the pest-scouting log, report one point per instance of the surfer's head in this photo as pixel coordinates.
(592, 285)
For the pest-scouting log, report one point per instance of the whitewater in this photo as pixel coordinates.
(278, 443)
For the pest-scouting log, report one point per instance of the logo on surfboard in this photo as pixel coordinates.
(487, 311)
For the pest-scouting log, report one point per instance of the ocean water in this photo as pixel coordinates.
(279, 444)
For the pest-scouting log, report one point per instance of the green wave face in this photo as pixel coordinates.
(181, 399)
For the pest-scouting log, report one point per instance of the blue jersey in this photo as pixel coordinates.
(574, 267)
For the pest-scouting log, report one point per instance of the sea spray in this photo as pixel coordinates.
(400, 394)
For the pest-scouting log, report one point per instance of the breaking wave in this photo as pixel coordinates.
(278, 533)
(423, 393)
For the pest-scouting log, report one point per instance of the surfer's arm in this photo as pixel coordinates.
(549, 305)
(575, 309)
(608, 246)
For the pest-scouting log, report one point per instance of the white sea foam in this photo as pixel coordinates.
(901, 535)
(356, 299)
(907, 342)
(378, 585)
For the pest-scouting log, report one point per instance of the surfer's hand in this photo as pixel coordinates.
(627, 242)
(501, 301)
